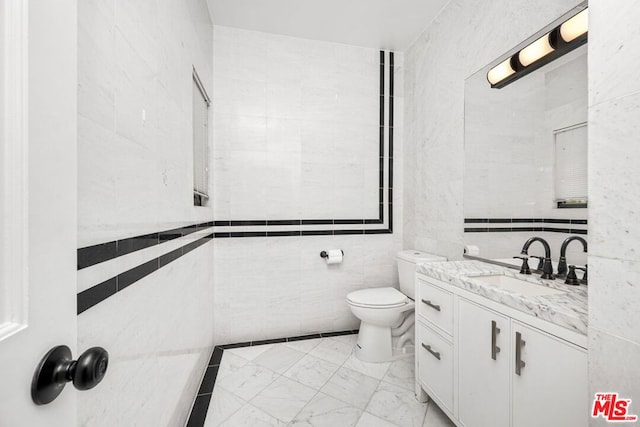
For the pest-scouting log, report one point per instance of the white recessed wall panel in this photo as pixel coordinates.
(312, 108)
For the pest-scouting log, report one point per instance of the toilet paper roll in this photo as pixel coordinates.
(334, 256)
(472, 250)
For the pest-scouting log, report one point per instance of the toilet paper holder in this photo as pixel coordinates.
(324, 254)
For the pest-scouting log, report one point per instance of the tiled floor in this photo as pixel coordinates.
(316, 382)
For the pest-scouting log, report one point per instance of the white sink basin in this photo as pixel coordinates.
(516, 285)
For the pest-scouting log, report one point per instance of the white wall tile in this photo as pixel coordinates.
(612, 366)
(613, 187)
(613, 35)
(135, 178)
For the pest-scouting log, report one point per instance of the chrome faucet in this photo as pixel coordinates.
(547, 267)
(562, 263)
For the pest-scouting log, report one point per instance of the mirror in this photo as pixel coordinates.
(526, 160)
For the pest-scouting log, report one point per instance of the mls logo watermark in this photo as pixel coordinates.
(611, 408)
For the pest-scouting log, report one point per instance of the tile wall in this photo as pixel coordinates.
(614, 197)
(135, 64)
(433, 211)
(297, 132)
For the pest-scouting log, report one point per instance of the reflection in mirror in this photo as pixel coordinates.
(526, 160)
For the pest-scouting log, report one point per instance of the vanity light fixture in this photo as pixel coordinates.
(564, 38)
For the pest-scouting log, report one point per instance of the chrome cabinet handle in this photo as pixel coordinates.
(494, 332)
(435, 354)
(430, 304)
(519, 344)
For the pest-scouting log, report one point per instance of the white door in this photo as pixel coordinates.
(483, 367)
(38, 86)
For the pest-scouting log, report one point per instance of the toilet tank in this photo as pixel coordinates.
(407, 261)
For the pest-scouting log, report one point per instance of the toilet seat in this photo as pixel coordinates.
(378, 298)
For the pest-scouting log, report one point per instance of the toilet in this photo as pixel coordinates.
(387, 314)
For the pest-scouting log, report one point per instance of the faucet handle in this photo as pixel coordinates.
(572, 279)
(525, 265)
(584, 277)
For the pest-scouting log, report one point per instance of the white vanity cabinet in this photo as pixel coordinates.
(496, 367)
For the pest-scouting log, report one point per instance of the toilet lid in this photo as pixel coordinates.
(378, 297)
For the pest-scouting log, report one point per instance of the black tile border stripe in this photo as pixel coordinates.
(96, 254)
(390, 148)
(201, 403)
(527, 220)
(544, 225)
(522, 229)
(298, 233)
(100, 292)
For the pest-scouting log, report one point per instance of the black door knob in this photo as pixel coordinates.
(57, 368)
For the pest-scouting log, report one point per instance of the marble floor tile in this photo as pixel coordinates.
(436, 418)
(351, 387)
(223, 404)
(350, 339)
(368, 420)
(397, 405)
(229, 364)
(283, 398)
(304, 346)
(250, 416)
(375, 370)
(326, 411)
(279, 358)
(322, 384)
(312, 371)
(332, 351)
(401, 373)
(251, 352)
(248, 380)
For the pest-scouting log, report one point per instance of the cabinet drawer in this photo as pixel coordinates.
(436, 305)
(435, 364)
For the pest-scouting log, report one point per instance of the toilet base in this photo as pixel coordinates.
(376, 345)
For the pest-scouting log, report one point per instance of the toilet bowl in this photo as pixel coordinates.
(387, 314)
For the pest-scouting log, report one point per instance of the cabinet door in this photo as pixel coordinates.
(483, 366)
(435, 365)
(551, 386)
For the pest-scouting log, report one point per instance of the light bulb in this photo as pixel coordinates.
(500, 72)
(535, 50)
(575, 27)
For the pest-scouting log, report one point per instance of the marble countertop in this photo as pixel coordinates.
(568, 310)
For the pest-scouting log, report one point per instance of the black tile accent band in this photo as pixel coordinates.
(543, 225)
(100, 292)
(522, 229)
(203, 398)
(92, 255)
(297, 233)
(527, 220)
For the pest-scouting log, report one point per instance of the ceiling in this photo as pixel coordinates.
(384, 24)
